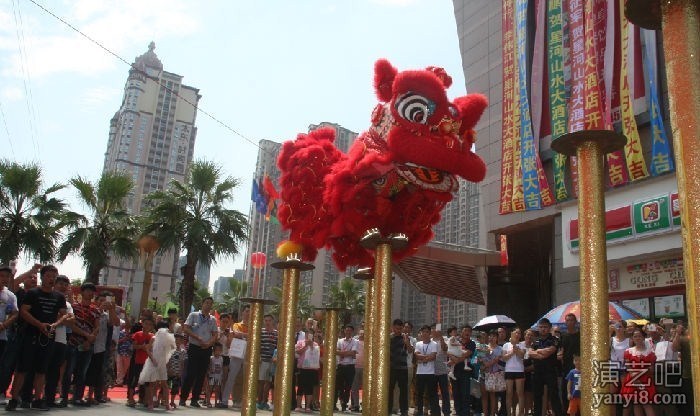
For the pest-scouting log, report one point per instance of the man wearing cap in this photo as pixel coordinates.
(41, 309)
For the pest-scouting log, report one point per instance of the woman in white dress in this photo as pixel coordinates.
(155, 371)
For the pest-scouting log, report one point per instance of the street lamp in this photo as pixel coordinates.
(258, 261)
(148, 245)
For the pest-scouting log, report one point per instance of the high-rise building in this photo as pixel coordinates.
(201, 272)
(264, 233)
(151, 137)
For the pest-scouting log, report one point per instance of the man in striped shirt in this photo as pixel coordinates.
(268, 343)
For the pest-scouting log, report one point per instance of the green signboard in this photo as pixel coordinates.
(652, 215)
(675, 210)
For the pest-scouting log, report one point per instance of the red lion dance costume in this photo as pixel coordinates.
(396, 177)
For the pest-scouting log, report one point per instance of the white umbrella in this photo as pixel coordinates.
(493, 322)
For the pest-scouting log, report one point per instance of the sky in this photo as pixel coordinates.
(265, 69)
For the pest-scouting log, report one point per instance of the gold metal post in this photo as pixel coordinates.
(590, 147)
(679, 21)
(379, 372)
(382, 304)
(330, 341)
(284, 374)
(370, 314)
(252, 356)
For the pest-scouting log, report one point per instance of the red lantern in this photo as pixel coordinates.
(258, 260)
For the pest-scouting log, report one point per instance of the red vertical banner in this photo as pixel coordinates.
(633, 149)
(576, 111)
(504, 249)
(617, 168)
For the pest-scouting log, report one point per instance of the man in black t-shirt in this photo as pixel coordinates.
(400, 347)
(570, 346)
(40, 311)
(544, 356)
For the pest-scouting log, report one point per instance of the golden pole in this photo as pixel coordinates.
(681, 35)
(284, 374)
(330, 341)
(379, 377)
(679, 21)
(367, 375)
(593, 270)
(252, 357)
(382, 304)
(590, 147)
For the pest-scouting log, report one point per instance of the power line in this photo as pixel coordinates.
(4, 121)
(25, 73)
(32, 101)
(162, 84)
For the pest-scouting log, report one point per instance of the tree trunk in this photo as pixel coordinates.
(93, 274)
(187, 286)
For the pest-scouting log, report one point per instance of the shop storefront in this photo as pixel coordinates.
(645, 259)
(653, 288)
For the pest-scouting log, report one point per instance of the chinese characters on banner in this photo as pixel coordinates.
(508, 111)
(557, 91)
(595, 78)
(633, 149)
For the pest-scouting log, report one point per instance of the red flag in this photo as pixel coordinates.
(504, 250)
(269, 188)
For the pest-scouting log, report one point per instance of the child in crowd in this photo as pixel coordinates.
(123, 351)
(573, 381)
(175, 365)
(454, 347)
(142, 334)
(215, 375)
(155, 371)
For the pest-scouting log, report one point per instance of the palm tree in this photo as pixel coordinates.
(31, 219)
(111, 231)
(348, 294)
(191, 216)
(304, 307)
(200, 293)
(232, 300)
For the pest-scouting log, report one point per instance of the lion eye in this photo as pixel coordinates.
(453, 111)
(414, 108)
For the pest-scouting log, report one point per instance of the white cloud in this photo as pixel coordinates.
(400, 3)
(11, 93)
(51, 47)
(99, 95)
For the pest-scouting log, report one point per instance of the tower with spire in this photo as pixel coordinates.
(152, 137)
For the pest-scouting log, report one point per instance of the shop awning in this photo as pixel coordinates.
(447, 270)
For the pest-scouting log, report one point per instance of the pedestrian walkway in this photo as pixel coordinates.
(118, 407)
